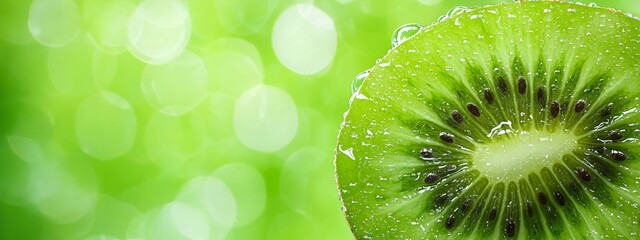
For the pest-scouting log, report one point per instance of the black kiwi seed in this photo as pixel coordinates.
(446, 137)
(522, 86)
(466, 204)
(473, 109)
(618, 156)
(529, 208)
(493, 213)
(555, 109)
(584, 175)
(442, 199)
(579, 106)
(542, 198)
(457, 116)
(559, 198)
(502, 85)
(540, 96)
(426, 153)
(430, 178)
(488, 96)
(510, 228)
(606, 111)
(614, 135)
(451, 220)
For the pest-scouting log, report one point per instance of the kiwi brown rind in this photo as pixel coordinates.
(412, 154)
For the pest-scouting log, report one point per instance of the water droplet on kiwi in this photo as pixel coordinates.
(348, 152)
(405, 32)
(457, 11)
(442, 18)
(501, 129)
(357, 82)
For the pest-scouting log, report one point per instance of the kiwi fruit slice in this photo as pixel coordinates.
(512, 121)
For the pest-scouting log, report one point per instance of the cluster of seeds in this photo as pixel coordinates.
(529, 206)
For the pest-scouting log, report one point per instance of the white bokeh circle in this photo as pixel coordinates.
(304, 39)
(176, 87)
(159, 30)
(265, 118)
(249, 190)
(54, 23)
(105, 125)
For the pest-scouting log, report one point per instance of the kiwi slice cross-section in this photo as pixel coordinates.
(513, 121)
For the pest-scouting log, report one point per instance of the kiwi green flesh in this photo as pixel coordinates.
(407, 160)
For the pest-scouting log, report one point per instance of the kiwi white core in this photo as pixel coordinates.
(514, 155)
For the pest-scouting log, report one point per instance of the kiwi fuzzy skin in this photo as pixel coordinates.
(409, 101)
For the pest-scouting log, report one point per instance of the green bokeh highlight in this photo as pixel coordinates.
(40, 149)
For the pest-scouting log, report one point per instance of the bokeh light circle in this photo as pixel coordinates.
(105, 125)
(107, 209)
(265, 118)
(70, 79)
(177, 220)
(190, 221)
(213, 197)
(171, 140)
(54, 23)
(58, 194)
(244, 17)
(249, 190)
(234, 65)
(430, 2)
(108, 24)
(176, 87)
(159, 30)
(304, 39)
(25, 148)
(296, 176)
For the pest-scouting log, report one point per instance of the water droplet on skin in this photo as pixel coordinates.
(348, 152)
(405, 32)
(457, 11)
(357, 82)
(501, 129)
(442, 18)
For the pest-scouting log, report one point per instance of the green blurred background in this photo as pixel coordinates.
(184, 119)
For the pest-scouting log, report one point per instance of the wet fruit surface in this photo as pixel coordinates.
(527, 114)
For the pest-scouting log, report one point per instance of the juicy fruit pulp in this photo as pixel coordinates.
(518, 121)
